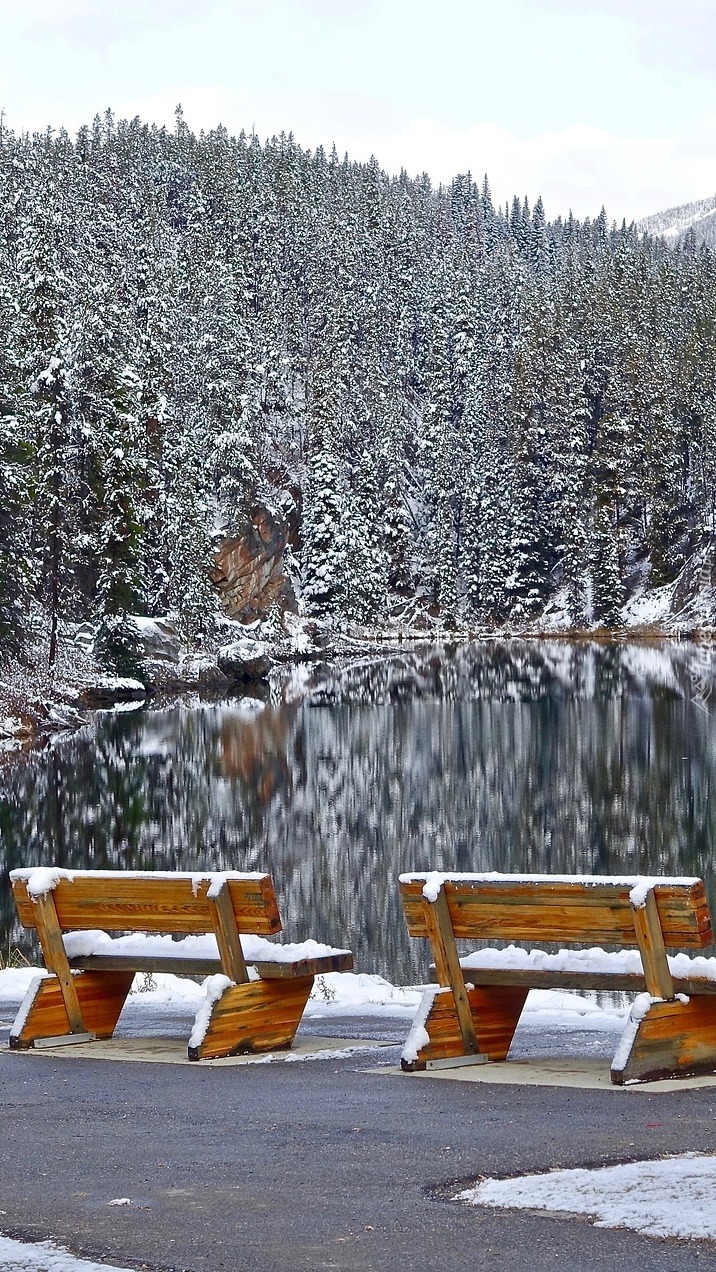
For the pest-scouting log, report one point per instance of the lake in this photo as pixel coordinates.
(539, 756)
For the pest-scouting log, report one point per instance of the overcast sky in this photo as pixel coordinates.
(584, 101)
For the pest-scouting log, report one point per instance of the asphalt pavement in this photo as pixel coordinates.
(327, 1164)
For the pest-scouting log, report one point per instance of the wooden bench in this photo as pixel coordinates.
(257, 989)
(471, 1014)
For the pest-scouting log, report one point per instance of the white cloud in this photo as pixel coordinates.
(573, 99)
(679, 36)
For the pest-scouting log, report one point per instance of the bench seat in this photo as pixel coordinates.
(598, 969)
(472, 1013)
(199, 955)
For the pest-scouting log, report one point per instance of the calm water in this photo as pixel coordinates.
(534, 757)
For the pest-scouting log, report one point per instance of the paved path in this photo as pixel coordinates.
(319, 1165)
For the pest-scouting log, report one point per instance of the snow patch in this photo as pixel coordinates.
(45, 1256)
(42, 879)
(672, 1197)
(38, 878)
(28, 1000)
(360, 994)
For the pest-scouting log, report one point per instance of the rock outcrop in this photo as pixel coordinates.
(248, 570)
(693, 600)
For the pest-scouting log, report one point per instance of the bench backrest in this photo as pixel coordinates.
(145, 901)
(573, 910)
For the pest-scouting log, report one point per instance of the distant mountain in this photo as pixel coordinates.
(676, 222)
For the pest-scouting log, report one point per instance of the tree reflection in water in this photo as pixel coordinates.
(513, 756)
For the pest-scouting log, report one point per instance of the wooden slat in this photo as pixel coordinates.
(226, 931)
(616, 982)
(53, 950)
(651, 947)
(149, 903)
(209, 966)
(569, 912)
(447, 963)
(156, 963)
(305, 967)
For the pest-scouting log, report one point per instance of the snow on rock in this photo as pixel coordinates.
(9, 726)
(245, 660)
(104, 691)
(158, 636)
(45, 1256)
(672, 1197)
(646, 609)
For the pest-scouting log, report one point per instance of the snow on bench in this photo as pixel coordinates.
(257, 988)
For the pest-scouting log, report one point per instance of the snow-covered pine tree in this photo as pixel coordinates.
(43, 287)
(322, 552)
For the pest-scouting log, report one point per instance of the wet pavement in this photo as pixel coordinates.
(332, 1163)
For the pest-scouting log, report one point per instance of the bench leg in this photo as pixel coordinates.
(262, 1015)
(667, 1040)
(43, 1014)
(495, 1012)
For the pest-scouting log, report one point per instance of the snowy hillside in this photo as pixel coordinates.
(333, 392)
(674, 223)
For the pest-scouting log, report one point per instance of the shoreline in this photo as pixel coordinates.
(39, 708)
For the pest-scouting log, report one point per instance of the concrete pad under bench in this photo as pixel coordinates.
(586, 1075)
(173, 1051)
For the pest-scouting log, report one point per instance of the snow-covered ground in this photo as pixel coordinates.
(672, 1197)
(345, 994)
(16, 1256)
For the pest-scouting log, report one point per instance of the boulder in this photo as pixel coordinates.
(201, 672)
(105, 691)
(158, 636)
(245, 660)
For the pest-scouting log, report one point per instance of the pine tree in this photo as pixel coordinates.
(323, 553)
(44, 341)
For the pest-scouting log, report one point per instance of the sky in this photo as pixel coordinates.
(586, 102)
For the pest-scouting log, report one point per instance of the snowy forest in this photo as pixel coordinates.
(462, 409)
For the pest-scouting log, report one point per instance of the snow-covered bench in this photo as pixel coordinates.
(471, 1014)
(256, 989)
